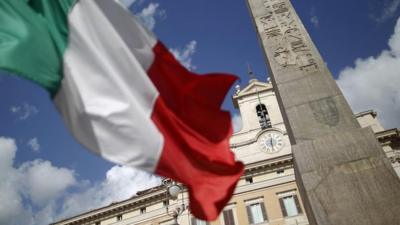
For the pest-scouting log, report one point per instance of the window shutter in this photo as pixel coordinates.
(249, 215)
(296, 200)
(194, 221)
(228, 217)
(231, 217)
(283, 209)
(264, 212)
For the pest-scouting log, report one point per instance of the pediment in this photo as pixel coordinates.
(254, 87)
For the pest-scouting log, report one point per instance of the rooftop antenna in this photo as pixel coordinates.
(253, 78)
(250, 72)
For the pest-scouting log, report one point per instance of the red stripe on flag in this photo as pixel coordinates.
(196, 133)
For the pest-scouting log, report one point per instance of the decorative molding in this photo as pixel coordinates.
(243, 143)
(368, 112)
(265, 184)
(287, 193)
(392, 134)
(396, 158)
(254, 200)
(267, 166)
(253, 140)
(247, 91)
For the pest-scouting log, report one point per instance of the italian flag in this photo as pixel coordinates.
(123, 95)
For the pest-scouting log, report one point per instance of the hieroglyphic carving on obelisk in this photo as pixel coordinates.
(341, 169)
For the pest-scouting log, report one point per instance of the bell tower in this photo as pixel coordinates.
(257, 105)
(341, 169)
(263, 135)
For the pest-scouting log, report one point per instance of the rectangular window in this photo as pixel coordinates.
(166, 203)
(280, 172)
(119, 217)
(143, 210)
(256, 213)
(228, 217)
(97, 223)
(198, 222)
(290, 205)
(249, 180)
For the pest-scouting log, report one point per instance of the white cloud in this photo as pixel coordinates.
(237, 123)
(33, 184)
(121, 183)
(24, 110)
(314, 19)
(185, 55)
(373, 83)
(38, 193)
(34, 144)
(148, 15)
(127, 3)
(390, 7)
(7, 151)
(8, 180)
(39, 188)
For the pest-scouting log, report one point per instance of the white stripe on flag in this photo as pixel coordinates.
(106, 97)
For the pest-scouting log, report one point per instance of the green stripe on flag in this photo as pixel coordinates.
(33, 38)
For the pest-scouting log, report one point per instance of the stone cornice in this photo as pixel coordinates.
(266, 165)
(395, 159)
(371, 112)
(117, 208)
(388, 134)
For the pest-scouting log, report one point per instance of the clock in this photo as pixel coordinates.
(271, 141)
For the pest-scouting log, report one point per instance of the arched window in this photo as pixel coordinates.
(263, 117)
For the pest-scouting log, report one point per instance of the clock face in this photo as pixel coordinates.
(271, 142)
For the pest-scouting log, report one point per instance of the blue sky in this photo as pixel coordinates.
(357, 39)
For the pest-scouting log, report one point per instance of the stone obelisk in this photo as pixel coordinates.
(342, 172)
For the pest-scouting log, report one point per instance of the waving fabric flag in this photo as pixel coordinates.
(123, 95)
